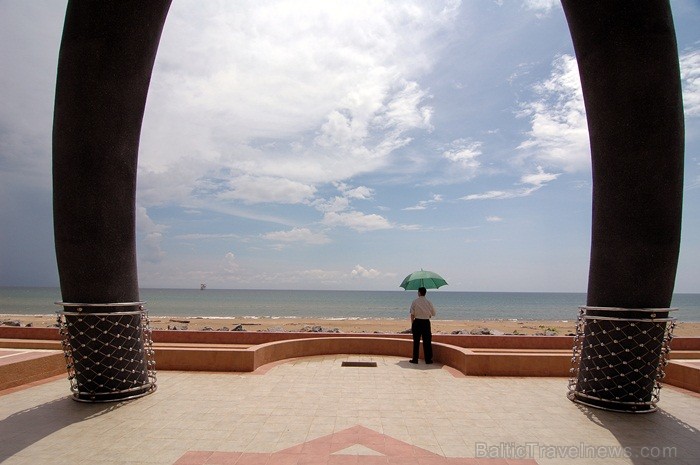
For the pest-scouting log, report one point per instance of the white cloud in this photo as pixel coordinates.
(360, 192)
(230, 265)
(241, 87)
(297, 235)
(341, 131)
(336, 204)
(338, 211)
(494, 219)
(342, 202)
(362, 272)
(499, 195)
(317, 274)
(690, 77)
(465, 154)
(539, 178)
(423, 204)
(157, 187)
(535, 180)
(541, 7)
(357, 221)
(200, 236)
(30, 34)
(406, 110)
(229, 210)
(558, 136)
(150, 237)
(261, 189)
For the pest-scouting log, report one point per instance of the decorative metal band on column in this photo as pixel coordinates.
(109, 355)
(619, 357)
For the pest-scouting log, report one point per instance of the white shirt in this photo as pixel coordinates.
(422, 309)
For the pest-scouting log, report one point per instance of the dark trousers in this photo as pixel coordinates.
(421, 329)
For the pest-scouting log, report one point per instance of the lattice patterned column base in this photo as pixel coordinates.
(619, 357)
(109, 354)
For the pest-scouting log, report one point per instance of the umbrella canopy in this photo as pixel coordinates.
(426, 279)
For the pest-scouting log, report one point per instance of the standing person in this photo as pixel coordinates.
(421, 311)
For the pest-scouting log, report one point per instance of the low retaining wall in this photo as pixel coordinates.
(470, 355)
(281, 350)
(23, 368)
(263, 337)
(468, 361)
(459, 340)
(684, 374)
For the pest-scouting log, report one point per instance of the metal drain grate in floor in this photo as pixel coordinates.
(359, 364)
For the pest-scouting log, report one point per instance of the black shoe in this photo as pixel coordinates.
(413, 361)
(428, 362)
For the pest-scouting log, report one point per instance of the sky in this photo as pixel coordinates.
(340, 145)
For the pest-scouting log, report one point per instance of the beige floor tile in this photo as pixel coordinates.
(312, 398)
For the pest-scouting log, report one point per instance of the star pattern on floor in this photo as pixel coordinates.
(353, 446)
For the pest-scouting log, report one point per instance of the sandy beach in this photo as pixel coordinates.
(375, 325)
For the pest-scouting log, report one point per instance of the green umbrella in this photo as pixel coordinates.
(426, 279)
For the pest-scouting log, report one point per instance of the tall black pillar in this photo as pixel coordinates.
(104, 70)
(628, 64)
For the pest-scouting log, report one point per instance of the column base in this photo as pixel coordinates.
(109, 354)
(619, 357)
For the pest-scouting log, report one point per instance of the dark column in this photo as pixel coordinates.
(104, 70)
(628, 64)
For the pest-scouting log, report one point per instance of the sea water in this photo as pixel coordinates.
(339, 304)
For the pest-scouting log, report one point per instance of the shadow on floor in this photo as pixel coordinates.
(648, 438)
(421, 365)
(27, 427)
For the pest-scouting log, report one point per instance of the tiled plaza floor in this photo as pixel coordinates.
(314, 411)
